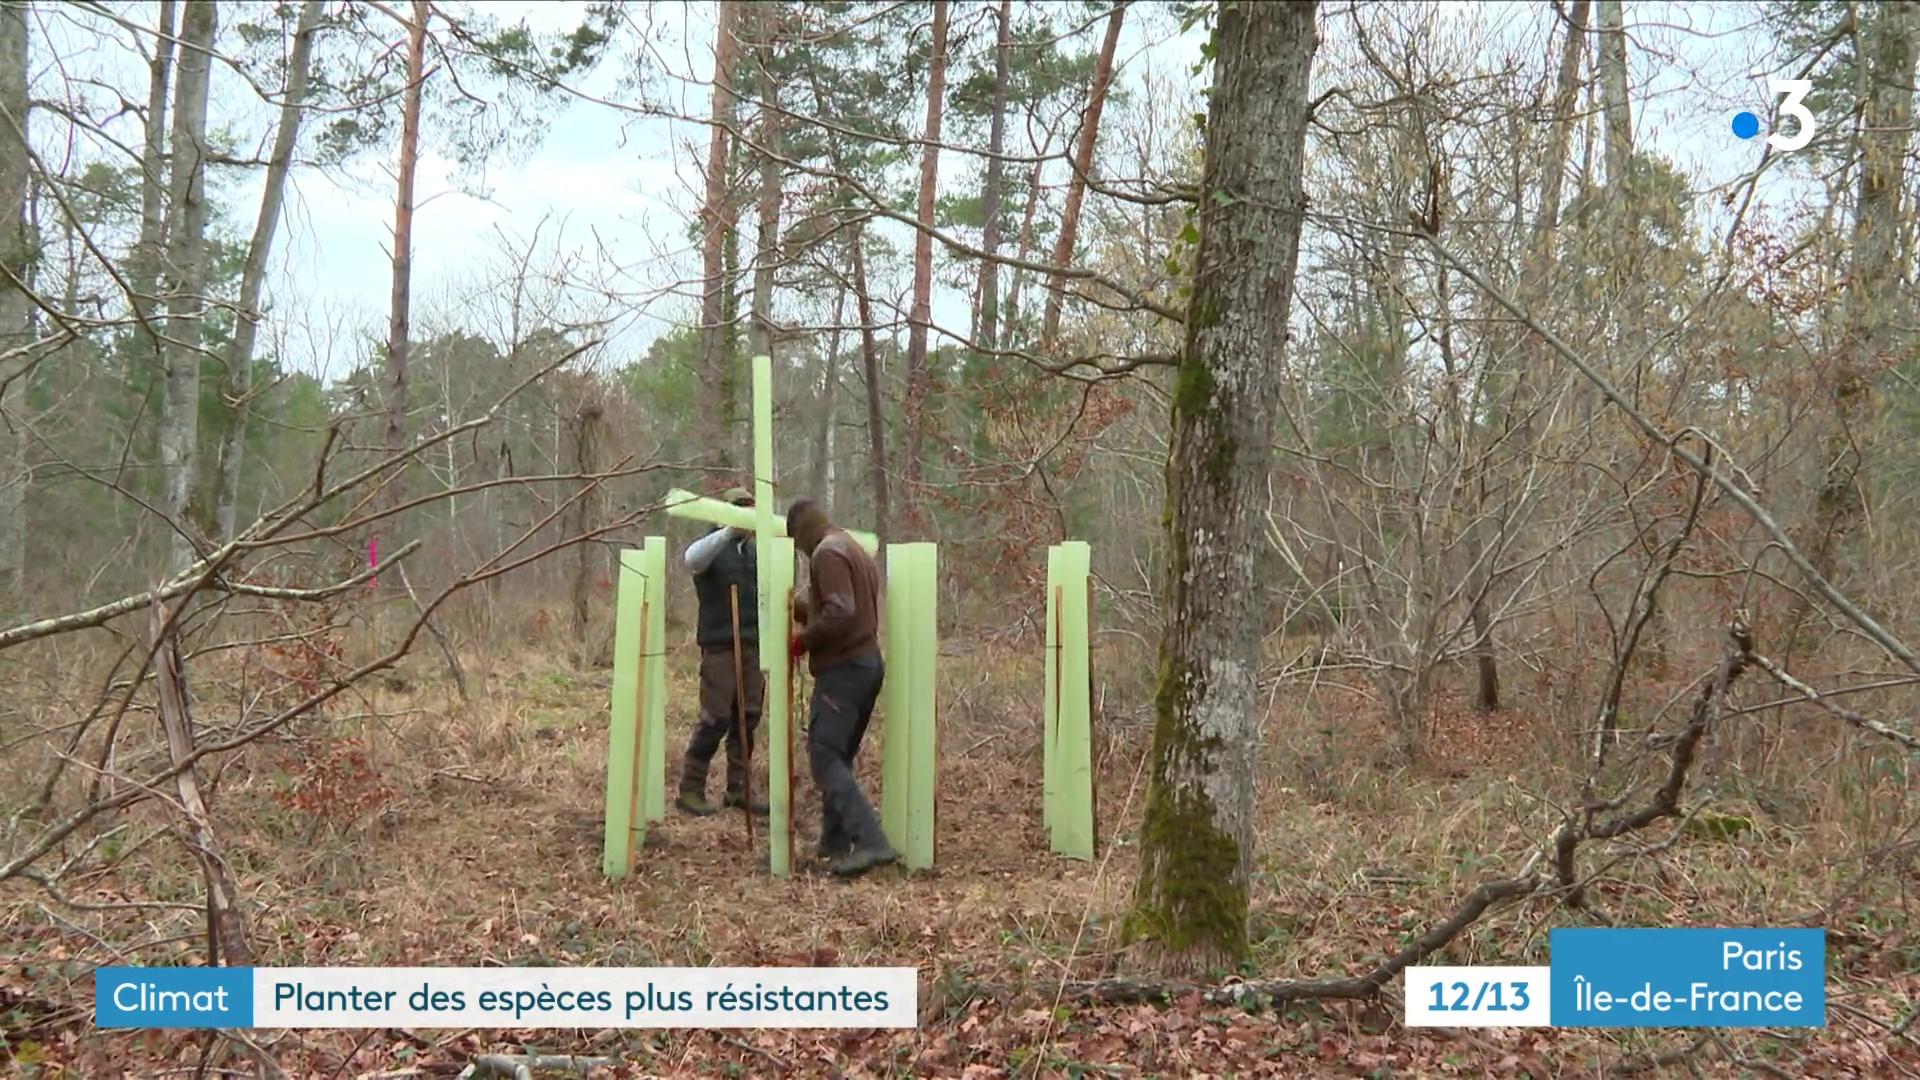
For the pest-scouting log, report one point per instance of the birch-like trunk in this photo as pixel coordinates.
(920, 315)
(716, 377)
(400, 296)
(16, 328)
(1196, 842)
(987, 300)
(186, 292)
(876, 419)
(1082, 169)
(143, 269)
(253, 274)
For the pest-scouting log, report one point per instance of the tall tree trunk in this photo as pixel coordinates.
(716, 359)
(254, 273)
(1196, 842)
(399, 332)
(1553, 173)
(1021, 252)
(766, 251)
(1876, 308)
(143, 271)
(986, 328)
(16, 328)
(876, 419)
(1615, 106)
(584, 512)
(919, 377)
(186, 299)
(1082, 169)
(820, 477)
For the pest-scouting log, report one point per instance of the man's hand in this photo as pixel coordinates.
(796, 645)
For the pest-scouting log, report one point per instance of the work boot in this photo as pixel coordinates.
(828, 849)
(693, 789)
(863, 859)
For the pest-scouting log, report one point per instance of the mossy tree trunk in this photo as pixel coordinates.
(1190, 903)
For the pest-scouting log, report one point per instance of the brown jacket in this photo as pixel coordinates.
(841, 611)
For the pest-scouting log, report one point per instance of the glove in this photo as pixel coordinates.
(796, 646)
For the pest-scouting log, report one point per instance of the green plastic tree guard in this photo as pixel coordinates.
(911, 748)
(685, 504)
(1050, 703)
(635, 774)
(1068, 768)
(653, 658)
(776, 561)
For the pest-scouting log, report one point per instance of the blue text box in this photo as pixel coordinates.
(1689, 977)
(173, 997)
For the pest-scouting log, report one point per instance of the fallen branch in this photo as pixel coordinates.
(1780, 675)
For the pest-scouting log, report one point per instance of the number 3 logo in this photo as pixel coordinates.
(1796, 91)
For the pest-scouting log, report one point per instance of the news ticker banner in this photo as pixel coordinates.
(1710, 978)
(203, 997)
(1674, 977)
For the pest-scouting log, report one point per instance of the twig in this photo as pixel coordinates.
(522, 1066)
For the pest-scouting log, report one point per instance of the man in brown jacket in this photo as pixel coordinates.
(837, 627)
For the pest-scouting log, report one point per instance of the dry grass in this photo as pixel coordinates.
(486, 850)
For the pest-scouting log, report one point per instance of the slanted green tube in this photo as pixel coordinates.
(685, 504)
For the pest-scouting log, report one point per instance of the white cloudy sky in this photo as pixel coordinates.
(616, 190)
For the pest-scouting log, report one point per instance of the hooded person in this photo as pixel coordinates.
(723, 561)
(837, 626)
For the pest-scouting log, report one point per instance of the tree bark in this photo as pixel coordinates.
(716, 359)
(1196, 846)
(766, 252)
(16, 325)
(876, 419)
(919, 376)
(186, 300)
(986, 328)
(1876, 308)
(1082, 168)
(253, 274)
(584, 512)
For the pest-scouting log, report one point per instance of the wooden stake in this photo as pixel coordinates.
(637, 822)
(791, 676)
(744, 746)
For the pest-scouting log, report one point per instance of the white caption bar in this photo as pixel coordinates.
(1478, 997)
(585, 997)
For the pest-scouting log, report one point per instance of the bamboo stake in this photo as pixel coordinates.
(743, 745)
(1093, 757)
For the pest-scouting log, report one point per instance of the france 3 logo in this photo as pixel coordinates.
(1746, 125)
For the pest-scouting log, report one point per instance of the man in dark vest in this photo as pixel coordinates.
(723, 565)
(837, 628)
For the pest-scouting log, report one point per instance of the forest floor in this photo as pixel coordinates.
(473, 837)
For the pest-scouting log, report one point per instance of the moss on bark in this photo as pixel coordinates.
(1192, 906)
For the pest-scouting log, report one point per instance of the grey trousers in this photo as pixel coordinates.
(843, 699)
